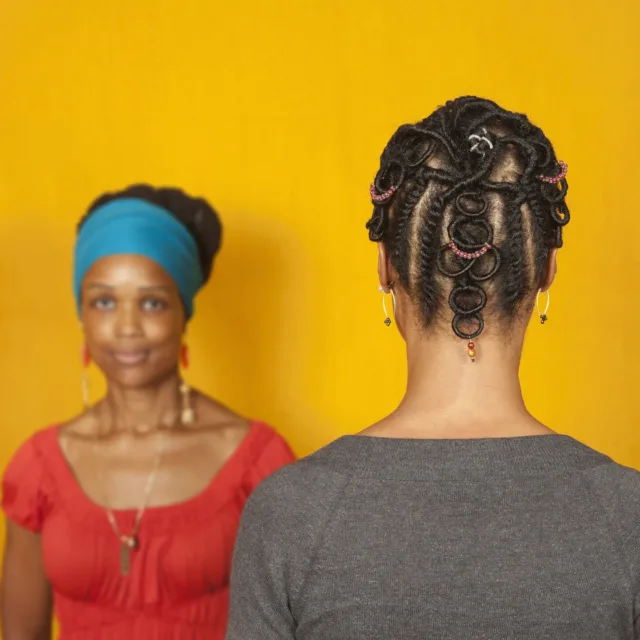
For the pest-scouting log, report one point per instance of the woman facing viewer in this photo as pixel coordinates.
(459, 515)
(125, 517)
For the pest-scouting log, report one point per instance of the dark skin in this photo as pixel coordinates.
(447, 396)
(134, 324)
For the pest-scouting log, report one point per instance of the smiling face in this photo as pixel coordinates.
(133, 320)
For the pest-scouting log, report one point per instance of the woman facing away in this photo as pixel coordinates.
(459, 515)
(125, 517)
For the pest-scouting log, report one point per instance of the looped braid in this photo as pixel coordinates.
(469, 209)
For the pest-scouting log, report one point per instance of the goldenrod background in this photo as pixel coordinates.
(277, 112)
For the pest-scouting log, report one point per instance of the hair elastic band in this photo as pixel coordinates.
(381, 197)
(564, 167)
(469, 256)
(479, 140)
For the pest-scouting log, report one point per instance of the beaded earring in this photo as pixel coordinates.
(187, 415)
(387, 319)
(543, 315)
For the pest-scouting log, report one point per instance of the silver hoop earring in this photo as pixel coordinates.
(543, 315)
(387, 319)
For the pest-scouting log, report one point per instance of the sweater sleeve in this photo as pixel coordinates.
(618, 490)
(627, 514)
(281, 527)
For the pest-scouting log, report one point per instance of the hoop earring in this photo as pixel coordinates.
(85, 359)
(543, 315)
(187, 415)
(387, 319)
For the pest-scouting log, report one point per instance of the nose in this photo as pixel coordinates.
(128, 321)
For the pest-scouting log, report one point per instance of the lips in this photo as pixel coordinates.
(129, 358)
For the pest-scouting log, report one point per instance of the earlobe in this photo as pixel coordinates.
(551, 269)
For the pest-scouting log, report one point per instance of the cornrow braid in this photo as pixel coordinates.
(474, 196)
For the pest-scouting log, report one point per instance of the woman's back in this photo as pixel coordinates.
(459, 515)
(506, 538)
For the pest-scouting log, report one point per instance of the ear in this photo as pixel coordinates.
(384, 269)
(551, 268)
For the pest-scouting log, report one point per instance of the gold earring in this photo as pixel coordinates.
(86, 386)
(187, 415)
(387, 319)
(543, 315)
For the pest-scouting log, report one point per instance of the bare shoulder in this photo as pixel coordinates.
(76, 432)
(219, 425)
(79, 427)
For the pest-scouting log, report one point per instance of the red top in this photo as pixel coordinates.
(178, 587)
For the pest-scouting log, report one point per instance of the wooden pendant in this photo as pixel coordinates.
(128, 545)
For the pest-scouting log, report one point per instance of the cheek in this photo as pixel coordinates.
(159, 331)
(98, 328)
(165, 341)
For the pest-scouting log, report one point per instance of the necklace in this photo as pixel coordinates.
(130, 542)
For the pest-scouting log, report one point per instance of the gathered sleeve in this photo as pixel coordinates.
(24, 491)
(272, 453)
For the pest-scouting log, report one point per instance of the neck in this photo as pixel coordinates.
(140, 410)
(447, 394)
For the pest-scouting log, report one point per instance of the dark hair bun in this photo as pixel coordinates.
(196, 214)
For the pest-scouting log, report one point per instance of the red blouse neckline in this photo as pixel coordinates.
(216, 489)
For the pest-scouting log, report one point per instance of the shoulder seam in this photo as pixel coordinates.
(318, 547)
(620, 544)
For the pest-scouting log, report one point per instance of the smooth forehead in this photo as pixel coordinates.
(128, 270)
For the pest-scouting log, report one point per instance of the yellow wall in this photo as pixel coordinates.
(277, 111)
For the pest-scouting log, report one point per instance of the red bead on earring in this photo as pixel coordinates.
(184, 356)
(85, 356)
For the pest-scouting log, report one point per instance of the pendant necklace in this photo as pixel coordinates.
(130, 542)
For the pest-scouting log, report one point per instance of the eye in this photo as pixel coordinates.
(153, 304)
(103, 303)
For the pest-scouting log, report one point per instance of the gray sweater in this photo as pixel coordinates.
(500, 539)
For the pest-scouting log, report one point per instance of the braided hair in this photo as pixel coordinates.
(467, 206)
(196, 214)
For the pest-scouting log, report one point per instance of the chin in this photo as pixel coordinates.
(138, 377)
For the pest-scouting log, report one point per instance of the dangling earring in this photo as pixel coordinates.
(387, 319)
(187, 415)
(543, 315)
(85, 359)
